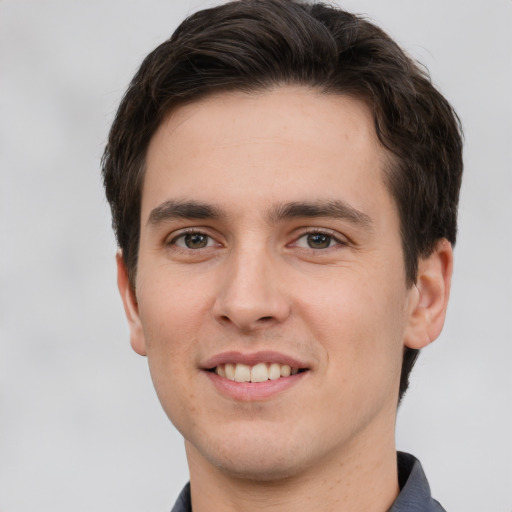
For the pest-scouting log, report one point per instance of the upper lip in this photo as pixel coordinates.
(253, 358)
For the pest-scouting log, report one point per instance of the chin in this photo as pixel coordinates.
(258, 470)
(260, 458)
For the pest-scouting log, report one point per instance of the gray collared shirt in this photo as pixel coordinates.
(414, 490)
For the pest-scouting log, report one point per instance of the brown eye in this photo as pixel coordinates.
(195, 240)
(319, 240)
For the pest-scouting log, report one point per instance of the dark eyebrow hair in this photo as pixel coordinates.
(188, 209)
(183, 210)
(335, 209)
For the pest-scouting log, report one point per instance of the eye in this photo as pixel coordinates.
(193, 240)
(317, 240)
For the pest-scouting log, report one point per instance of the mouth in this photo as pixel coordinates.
(254, 376)
(259, 372)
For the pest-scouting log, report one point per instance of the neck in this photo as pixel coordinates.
(358, 480)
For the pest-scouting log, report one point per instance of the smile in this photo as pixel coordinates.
(259, 372)
(254, 376)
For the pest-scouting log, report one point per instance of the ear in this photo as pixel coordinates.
(131, 307)
(429, 297)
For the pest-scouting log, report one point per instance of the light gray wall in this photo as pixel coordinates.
(80, 426)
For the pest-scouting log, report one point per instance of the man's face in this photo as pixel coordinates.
(269, 241)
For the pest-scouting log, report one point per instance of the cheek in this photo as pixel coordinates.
(171, 306)
(359, 323)
(170, 315)
(170, 361)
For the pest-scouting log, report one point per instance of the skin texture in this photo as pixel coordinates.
(343, 310)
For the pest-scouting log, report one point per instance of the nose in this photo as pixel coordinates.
(251, 294)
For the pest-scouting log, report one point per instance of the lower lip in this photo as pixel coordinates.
(253, 391)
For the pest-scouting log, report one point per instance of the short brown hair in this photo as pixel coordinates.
(253, 45)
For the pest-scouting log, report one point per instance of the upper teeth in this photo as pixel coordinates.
(258, 373)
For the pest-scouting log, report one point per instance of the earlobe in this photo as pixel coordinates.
(429, 296)
(131, 307)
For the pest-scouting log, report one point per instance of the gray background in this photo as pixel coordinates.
(80, 426)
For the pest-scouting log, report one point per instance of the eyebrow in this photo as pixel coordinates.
(334, 209)
(172, 209)
(188, 209)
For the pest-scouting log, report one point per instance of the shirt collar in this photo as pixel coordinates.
(414, 489)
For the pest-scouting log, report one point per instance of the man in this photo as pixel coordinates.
(284, 184)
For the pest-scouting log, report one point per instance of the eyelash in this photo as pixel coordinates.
(333, 237)
(183, 234)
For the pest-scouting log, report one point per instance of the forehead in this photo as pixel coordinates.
(285, 144)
